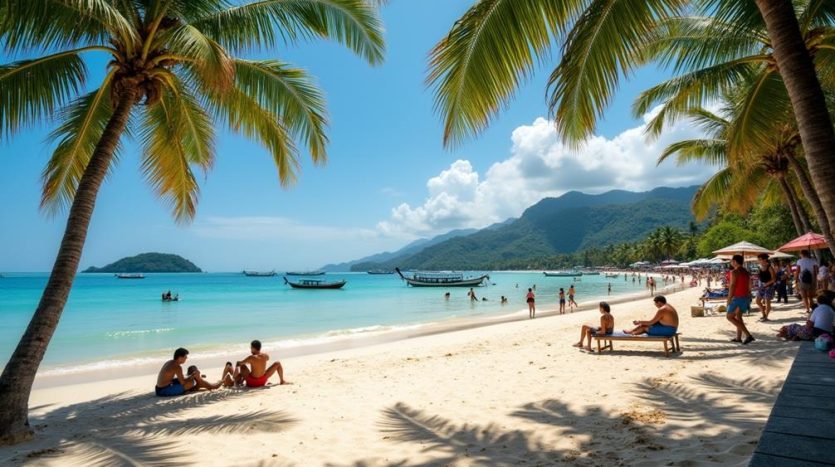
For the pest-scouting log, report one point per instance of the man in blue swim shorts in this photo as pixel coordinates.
(664, 323)
(172, 382)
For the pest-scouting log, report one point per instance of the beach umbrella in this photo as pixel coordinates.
(781, 255)
(807, 241)
(747, 249)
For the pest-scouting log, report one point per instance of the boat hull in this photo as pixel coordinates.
(463, 283)
(314, 285)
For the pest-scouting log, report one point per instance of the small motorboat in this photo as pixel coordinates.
(315, 284)
(129, 275)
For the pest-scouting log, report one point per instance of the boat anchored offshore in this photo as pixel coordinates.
(562, 273)
(442, 279)
(314, 284)
(259, 273)
(129, 275)
(380, 271)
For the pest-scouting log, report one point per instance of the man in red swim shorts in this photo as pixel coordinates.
(257, 374)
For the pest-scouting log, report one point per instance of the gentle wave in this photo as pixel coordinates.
(117, 334)
(224, 352)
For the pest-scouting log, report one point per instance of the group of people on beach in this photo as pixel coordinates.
(530, 298)
(253, 371)
(663, 324)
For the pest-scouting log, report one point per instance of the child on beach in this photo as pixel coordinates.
(607, 327)
(531, 299)
(562, 301)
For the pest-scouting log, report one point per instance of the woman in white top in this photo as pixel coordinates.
(819, 322)
(823, 276)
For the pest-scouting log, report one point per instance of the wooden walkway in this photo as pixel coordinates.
(801, 428)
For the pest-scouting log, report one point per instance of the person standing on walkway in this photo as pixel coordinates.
(739, 298)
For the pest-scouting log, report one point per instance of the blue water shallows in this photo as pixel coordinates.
(110, 318)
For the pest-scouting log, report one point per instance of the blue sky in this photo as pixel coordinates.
(388, 180)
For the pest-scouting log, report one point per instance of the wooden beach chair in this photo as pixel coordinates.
(671, 343)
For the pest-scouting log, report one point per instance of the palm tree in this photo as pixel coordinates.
(489, 51)
(746, 177)
(796, 65)
(729, 53)
(175, 71)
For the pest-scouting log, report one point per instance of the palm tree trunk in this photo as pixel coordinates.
(19, 373)
(814, 200)
(789, 194)
(813, 121)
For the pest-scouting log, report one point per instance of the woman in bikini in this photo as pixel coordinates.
(531, 299)
(607, 327)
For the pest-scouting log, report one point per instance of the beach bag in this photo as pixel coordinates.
(823, 342)
(806, 276)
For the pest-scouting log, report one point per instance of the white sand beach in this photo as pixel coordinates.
(505, 394)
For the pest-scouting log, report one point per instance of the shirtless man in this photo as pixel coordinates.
(257, 373)
(172, 382)
(664, 323)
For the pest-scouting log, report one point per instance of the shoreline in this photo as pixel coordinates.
(214, 355)
(486, 395)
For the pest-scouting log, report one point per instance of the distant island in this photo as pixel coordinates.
(149, 262)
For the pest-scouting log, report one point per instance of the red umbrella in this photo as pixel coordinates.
(809, 241)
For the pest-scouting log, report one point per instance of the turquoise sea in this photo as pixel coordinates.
(116, 320)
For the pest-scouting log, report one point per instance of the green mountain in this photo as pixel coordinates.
(573, 222)
(149, 262)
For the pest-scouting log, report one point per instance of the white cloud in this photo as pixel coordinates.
(540, 166)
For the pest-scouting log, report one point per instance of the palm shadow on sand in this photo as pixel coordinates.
(650, 435)
(130, 429)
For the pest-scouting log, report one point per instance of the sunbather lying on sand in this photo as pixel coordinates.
(172, 382)
(664, 323)
(257, 374)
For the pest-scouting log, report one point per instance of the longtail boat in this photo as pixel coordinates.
(441, 279)
(314, 284)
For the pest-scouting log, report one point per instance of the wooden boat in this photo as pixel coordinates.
(562, 273)
(315, 284)
(380, 271)
(309, 273)
(442, 279)
(129, 275)
(259, 273)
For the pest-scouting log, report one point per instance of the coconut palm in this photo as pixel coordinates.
(725, 53)
(745, 177)
(489, 51)
(175, 71)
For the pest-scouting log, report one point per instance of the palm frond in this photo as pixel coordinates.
(490, 51)
(177, 134)
(761, 107)
(607, 42)
(353, 23)
(83, 123)
(687, 43)
(34, 89)
(707, 151)
(245, 114)
(207, 57)
(56, 24)
(290, 94)
(690, 90)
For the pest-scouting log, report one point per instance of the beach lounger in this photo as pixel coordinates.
(671, 343)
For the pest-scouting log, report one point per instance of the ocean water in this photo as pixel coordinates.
(109, 319)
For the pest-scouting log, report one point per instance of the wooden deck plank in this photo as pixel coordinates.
(801, 427)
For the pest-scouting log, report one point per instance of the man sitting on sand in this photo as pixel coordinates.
(257, 374)
(664, 323)
(607, 327)
(172, 382)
